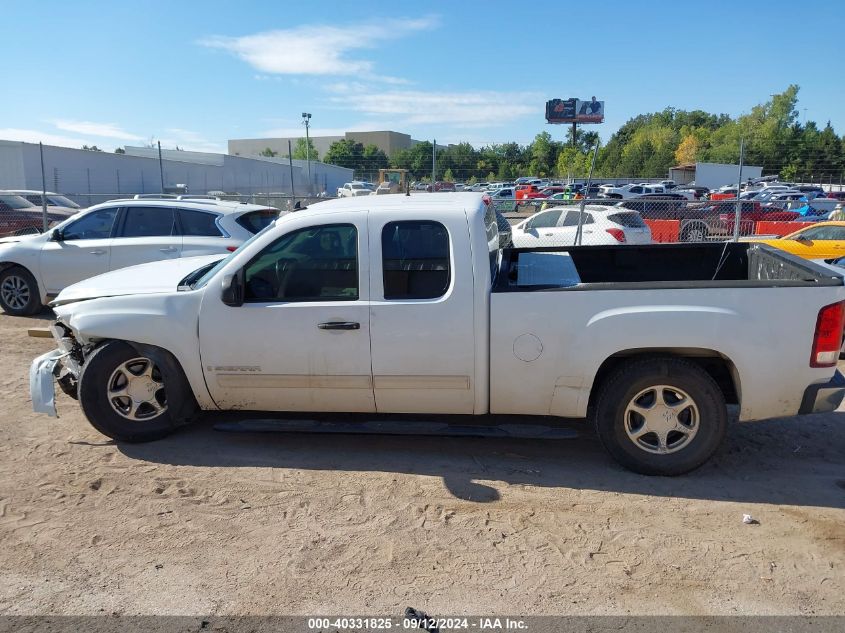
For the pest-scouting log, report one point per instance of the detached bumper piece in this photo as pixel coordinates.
(825, 397)
(42, 390)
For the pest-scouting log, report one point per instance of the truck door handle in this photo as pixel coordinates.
(169, 249)
(98, 251)
(339, 325)
(548, 234)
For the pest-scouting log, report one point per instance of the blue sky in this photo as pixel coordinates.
(195, 74)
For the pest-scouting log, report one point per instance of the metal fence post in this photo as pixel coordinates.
(43, 189)
(117, 176)
(738, 213)
(160, 167)
(290, 164)
(578, 231)
(88, 179)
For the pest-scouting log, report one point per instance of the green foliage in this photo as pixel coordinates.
(301, 150)
(92, 148)
(269, 153)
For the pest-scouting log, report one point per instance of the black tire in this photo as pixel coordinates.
(637, 376)
(19, 294)
(695, 232)
(93, 391)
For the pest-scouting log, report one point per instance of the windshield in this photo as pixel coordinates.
(15, 202)
(199, 279)
(61, 201)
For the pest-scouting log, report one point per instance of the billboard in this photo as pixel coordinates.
(574, 111)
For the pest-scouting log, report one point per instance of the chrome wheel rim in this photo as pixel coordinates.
(661, 419)
(15, 292)
(136, 390)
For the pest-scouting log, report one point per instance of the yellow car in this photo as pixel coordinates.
(823, 240)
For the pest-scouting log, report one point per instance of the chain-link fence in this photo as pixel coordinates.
(550, 221)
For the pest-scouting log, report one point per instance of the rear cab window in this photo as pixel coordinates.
(415, 260)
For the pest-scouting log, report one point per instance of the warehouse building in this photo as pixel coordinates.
(387, 141)
(89, 177)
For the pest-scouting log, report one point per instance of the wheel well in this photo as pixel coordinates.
(718, 366)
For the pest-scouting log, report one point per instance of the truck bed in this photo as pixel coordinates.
(713, 265)
(557, 315)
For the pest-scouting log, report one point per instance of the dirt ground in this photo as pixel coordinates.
(212, 523)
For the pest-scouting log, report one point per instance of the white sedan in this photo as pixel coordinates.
(599, 225)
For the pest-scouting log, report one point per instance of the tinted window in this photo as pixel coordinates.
(319, 263)
(198, 223)
(96, 225)
(545, 220)
(36, 200)
(632, 220)
(415, 260)
(148, 222)
(636, 189)
(571, 218)
(254, 221)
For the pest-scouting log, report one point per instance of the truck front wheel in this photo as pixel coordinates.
(123, 394)
(660, 416)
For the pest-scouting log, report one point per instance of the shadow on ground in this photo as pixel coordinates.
(792, 461)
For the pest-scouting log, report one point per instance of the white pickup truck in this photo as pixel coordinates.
(406, 304)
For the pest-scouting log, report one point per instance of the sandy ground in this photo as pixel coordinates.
(213, 523)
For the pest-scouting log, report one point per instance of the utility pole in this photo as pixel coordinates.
(160, 167)
(306, 119)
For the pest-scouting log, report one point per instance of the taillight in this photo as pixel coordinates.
(618, 234)
(827, 338)
(231, 249)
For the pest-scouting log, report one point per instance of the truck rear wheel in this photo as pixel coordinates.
(123, 394)
(660, 416)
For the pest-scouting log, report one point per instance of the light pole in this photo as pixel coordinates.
(306, 119)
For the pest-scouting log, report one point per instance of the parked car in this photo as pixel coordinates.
(823, 240)
(558, 226)
(55, 201)
(18, 216)
(442, 185)
(405, 304)
(353, 190)
(117, 234)
(631, 191)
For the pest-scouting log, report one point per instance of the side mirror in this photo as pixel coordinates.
(57, 236)
(233, 289)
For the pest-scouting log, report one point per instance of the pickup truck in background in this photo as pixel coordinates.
(407, 304)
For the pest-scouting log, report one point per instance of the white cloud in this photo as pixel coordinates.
(190, 141)
(36, 136)
(90, 128)
(467, 109)
(318, 49)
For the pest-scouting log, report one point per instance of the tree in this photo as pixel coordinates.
(269, 153)
(346, 153)
(374, 158)
(119, 150)
(448, 176)
(92, 148)
(303, 150)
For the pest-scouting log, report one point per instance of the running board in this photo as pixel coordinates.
(398, 427)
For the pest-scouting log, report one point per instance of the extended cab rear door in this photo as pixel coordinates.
(422, 335)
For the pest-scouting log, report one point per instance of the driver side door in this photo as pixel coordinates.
(301, 339)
